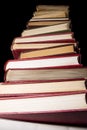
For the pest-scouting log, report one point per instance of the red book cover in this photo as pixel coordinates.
(75, 118)
(42, 113)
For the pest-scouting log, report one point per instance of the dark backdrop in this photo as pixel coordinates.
(14, 16)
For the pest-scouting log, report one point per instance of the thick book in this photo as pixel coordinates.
(68, 109)
(51, 51)
(42, 7)
(63, 27)
(54, 37)
(43, 23)
(16, 48)
(21, 88)
(46, 74)
(62, 10)
(50, 14)
(44, 62)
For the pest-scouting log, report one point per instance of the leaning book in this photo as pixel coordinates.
(29, 88)
(45, 74)
(68, 109)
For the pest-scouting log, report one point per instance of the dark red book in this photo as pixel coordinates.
(70, 109)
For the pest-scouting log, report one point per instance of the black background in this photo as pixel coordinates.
(14, 16)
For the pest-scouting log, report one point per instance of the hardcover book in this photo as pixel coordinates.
(54, 37)
(44, 62)
(49, 14)
(48, 29)
(42, 7)
(42, 23)
(29, 88)
(68, 109)
(46, 74)
(51, 51)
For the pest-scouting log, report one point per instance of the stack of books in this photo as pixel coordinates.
(49, 15)
(45, 82)
(45, 33)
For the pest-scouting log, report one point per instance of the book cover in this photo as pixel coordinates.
(73, 118)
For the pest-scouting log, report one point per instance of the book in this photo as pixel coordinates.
(8, 89)
(48, 29)
(60, 50)
(54, 37)
(44, 62)
(41, 23)
(50, 14)
(68, 109)
(46, 74)
(57, 12)
(42, 7)
(47, 19)
(16, 48)
(61, 13)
